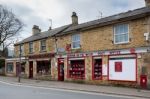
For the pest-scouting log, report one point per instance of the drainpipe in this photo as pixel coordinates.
(56, 46)
(148, 29)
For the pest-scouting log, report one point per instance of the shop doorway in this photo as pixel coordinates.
(31, 69)
(61, 69)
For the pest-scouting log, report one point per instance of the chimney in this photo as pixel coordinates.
(35, 29)
(74, 18)
(147, 3)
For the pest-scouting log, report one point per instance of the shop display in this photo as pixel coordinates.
(97, 69)
(77, 69)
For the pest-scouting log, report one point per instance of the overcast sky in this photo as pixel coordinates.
(39, 12)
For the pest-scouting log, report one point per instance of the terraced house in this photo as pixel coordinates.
(110, 50)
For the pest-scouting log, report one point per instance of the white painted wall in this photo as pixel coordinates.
(128, 70)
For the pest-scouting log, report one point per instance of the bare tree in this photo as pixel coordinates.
(10, 25)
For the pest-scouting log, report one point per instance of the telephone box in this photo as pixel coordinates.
(143, 81)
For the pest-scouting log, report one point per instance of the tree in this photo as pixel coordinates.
(10, 25)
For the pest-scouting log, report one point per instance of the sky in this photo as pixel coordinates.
(40, 12)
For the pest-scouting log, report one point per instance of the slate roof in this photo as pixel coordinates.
(130, 15)
(43, 35)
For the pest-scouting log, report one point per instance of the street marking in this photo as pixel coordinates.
(67, 90)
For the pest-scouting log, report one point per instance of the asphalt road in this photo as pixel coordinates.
(15, 91)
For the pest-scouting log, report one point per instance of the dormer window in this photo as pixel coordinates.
(75, 41)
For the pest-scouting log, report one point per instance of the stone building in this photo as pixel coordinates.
(111, 50)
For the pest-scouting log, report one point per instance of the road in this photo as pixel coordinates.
(16, 91)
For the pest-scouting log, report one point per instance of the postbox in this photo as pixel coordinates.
(143, 81)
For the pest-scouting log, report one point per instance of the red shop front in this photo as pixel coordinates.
(61, 69)
(76, 68)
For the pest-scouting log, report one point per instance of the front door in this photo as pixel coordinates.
(61, 69)
(31, 69)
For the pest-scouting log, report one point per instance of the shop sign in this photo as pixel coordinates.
(47, 55)
(61, 50)
(112, 52)
(80, 54)
(109, 52)
(68, 47)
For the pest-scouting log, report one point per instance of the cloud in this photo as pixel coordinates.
(40, 11)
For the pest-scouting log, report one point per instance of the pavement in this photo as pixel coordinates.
(122, 91)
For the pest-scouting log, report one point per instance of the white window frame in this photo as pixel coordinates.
(75, 41)
(41, 45)
(30, 47)
(120, 34)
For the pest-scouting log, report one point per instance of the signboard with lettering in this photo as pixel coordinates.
(107, 52)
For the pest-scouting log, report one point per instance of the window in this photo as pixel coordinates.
(31, 47)
(21, 50)
(43, 67)
(121, 33)
(97, 69)
(77, 69)
(43, 45)
(9, 67)
(75, 41)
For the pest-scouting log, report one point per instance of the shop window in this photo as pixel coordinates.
(75, 41)
(118, 66)
(43, 45)
(10, 67)
(122, 67)
(77, 69)
(43, 68)
(121, 33)
(31, 47)
(97, 69)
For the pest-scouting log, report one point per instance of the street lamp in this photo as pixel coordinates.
(19, 68)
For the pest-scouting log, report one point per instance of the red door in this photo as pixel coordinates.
(61, 69)
(31, 69)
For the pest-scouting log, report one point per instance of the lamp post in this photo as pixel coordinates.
(19, 68)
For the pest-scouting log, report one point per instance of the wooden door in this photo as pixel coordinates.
(31, 69)
(61, 69)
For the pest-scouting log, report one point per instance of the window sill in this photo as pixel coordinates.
(76, 48)
(31, 53)
(121, 43)
(43, 51)
(10, 72)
